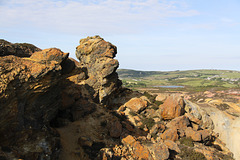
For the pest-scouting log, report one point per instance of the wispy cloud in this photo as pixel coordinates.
(93, 16)
(229, 21)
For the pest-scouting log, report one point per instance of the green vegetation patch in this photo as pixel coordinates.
(186, 141)
(149, 122)
(223, 106)
(188, 153)
(199, 80)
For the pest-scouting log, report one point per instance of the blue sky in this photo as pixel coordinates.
(150, 34)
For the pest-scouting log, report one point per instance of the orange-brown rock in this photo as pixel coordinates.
(136, 104)
(49, 55)
(139, 151)
(160, 151)
(205, 134)
(30, 98)
(161, 96)
(97, 55)
(179, 123)
(170, 134)
(172, 145)
(193, 119)
(17, 49)
(196, 136)
(172, 107)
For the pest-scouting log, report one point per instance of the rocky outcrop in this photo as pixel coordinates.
(29, 100)
(97, 55)
(199, 114)
(17, 49)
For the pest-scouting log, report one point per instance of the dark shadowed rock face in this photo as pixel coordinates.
(29, 99)
(97, 55)
(17, 49)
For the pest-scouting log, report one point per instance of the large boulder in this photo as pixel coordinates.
(172, 107)
(170, 134)
(198, 113)
(17, 49)
(136, 105)
(97, 56)
(179, 122)
(160, 151)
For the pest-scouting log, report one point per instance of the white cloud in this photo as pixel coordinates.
(91, 17)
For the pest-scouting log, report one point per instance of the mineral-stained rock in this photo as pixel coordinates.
(157, 128)
(196, 136)
(136, 104)
(97, 55)
(139, 150)
(29, 100)
(17, 49)
(49, 55)
(193, 119)
(172, 145)
(162, 97)
(160, 151)
(205, 134)
(195, 110)
(179, 122)
(170, 134)
(172, 107)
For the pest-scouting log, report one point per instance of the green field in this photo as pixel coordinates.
(191, 80)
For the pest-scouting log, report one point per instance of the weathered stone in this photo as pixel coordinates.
(205, 134)
(193, 119)
(136, 104)
(128, 140)
(106, 154)
(162, 97)
(195, 126)
(181, 132)
(172, 107)
(115, 129)
(17, 49)
(49, 55)
(172, 145)
(157, 128)
(170, 134)
(192, 108)
(179, 123)
(196, 136)
(30, 96)
(97, 55)
(139, 151)
(82, 108)
(160, 151)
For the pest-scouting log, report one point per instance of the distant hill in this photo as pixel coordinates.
(190, 78)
